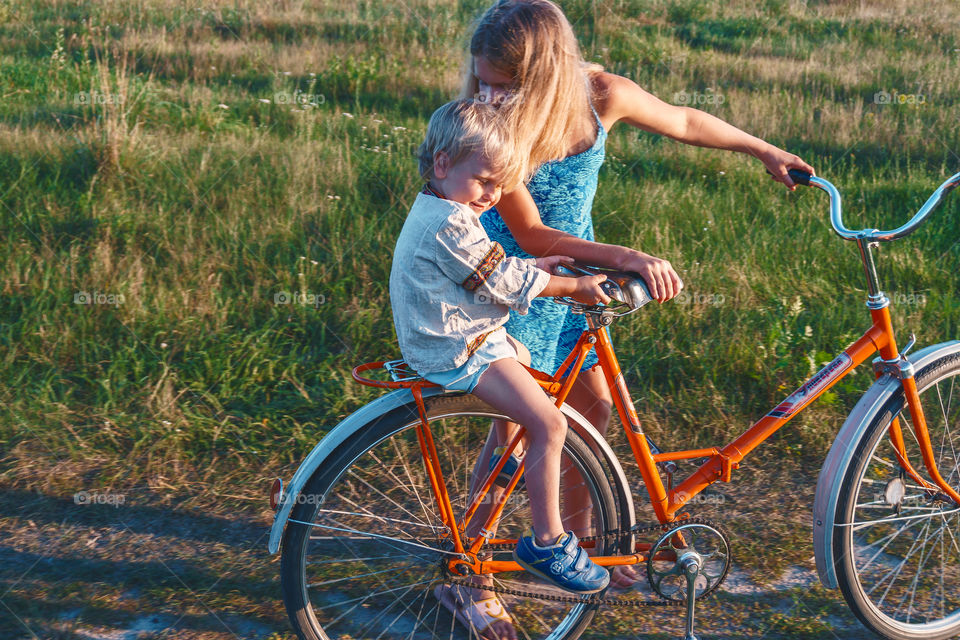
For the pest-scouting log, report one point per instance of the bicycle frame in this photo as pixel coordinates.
(720, 463)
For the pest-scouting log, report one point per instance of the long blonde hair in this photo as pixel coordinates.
(532, 42)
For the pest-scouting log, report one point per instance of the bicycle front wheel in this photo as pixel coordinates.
(364, 548)
(897, 546)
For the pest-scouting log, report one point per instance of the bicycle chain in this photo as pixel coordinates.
(590, 600)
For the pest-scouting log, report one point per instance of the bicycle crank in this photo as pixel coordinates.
(689, 561)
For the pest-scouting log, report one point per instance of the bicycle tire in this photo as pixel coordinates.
(401, 602)
(884, 567)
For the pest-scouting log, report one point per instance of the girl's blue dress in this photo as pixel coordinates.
(563, 191)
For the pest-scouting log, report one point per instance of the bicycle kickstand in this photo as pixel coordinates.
(691, 562)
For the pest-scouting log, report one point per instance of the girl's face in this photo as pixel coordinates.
(471, 181)
(495, 87)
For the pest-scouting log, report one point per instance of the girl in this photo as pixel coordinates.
(525, 57)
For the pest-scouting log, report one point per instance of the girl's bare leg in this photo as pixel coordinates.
(590, 396)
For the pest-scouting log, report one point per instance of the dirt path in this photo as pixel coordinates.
(136, 571)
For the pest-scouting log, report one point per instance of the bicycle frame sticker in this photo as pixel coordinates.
(621, 388)
(812, 387)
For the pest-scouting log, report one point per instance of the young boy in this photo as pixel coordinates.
(451, 289)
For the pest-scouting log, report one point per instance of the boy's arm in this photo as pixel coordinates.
(584, 289)
(467, 256)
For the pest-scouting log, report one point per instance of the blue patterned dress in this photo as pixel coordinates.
(563, 191)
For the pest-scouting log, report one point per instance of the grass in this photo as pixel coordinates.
(189, 166)
(193, 164)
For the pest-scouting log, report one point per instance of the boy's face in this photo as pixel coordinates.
(471, 181)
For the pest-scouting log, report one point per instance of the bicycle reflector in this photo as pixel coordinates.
(276, 493)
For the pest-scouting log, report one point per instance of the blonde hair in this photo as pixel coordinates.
(465, 126)
(532, 41)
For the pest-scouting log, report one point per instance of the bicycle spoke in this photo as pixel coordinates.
(898, 569)
(369, 514)
(906, 485)
(891, 537)
(313, 585)
(916, 577)
(389, 499)
(313, 563)
(386, 539)
(428, 512)
(367, 596)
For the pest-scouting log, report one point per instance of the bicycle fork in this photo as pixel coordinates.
(901, 368)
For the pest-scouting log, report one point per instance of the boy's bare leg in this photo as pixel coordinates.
(590, 396)
(507, 386)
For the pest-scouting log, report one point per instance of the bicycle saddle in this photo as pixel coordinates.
(624, 286)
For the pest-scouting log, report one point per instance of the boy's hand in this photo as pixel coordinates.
(549, 263)
(588, 290)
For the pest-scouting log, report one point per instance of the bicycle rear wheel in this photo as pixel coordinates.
(363, 550)
(898, 559)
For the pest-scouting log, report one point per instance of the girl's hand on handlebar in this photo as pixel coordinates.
(588, 291)
(778, 162)
(663, 282)
(549, 263)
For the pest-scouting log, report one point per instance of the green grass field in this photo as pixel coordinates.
(171, 174)
(184, 167)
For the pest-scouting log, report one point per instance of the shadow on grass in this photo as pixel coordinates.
(42, 509)
(65, 566)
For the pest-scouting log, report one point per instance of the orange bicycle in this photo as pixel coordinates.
(377, 515)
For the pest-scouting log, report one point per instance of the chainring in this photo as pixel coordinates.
(707, 541)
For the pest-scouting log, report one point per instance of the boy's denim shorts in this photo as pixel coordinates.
(465, 378)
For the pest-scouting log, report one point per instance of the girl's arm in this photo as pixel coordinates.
(520, 212)
(623, 100)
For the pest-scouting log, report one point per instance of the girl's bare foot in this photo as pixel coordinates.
(623, 577)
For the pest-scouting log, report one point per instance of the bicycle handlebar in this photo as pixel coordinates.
(874, 235)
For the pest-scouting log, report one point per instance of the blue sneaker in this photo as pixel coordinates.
(512, 464)
(563, 563)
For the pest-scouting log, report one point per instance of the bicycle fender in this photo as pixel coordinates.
(356, 421)
(841, 455)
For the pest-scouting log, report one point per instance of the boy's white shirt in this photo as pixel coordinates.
(450, 285)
